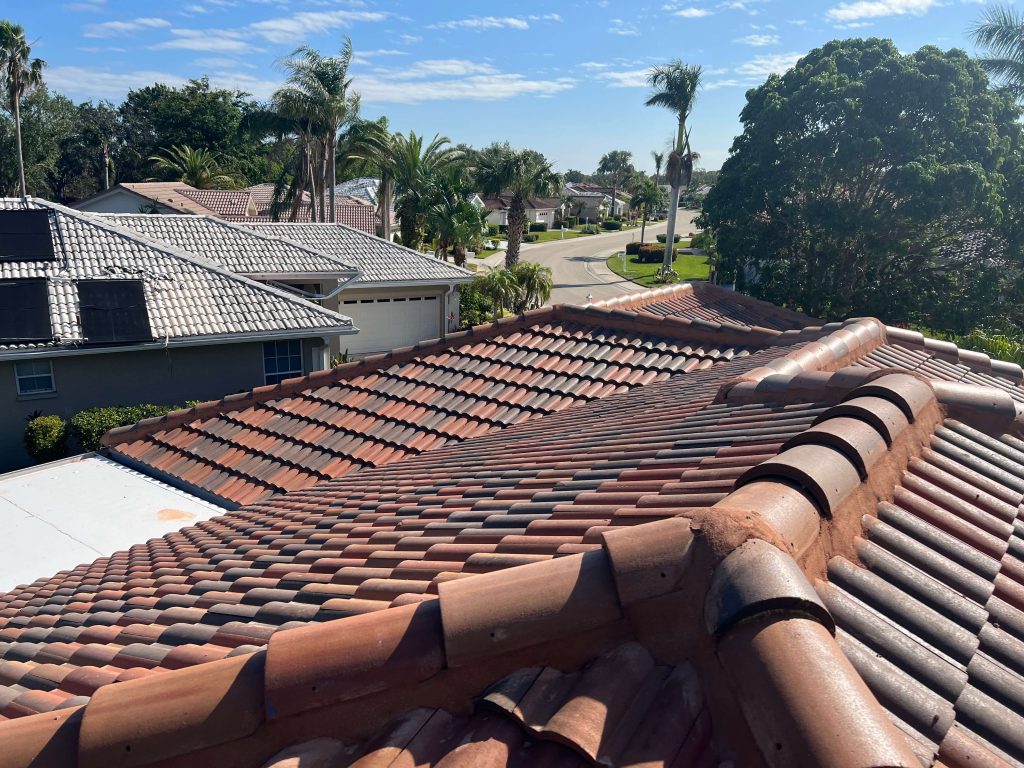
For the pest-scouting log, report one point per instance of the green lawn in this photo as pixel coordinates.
(485, 252)
(555, 234)
(687, 266)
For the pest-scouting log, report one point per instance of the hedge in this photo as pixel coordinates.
(649, 253)
(90, 425)
(589, 229)
(46, 438)
(633, 248)
(570, 222)
(675, 238)
(539, 226)
(530, 238)
(611, 224)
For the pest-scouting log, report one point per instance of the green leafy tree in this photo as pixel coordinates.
(47, 120)
(856, 178)
(1001, 33)
(450, 216)
(618, 166)
(675, 88)
(18, 73)
(195, 167)
(535, 285)
(501, 288)
(520, 174)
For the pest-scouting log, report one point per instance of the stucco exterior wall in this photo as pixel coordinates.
(166, 377)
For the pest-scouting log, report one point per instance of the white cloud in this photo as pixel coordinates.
(437, 68)
(623, 28)
(629, 78)
(208, 41)
(484, 87)
(692, 13)
(409, 39)
(873, 9)
(86, 6)
(758, 40)
(483, 22)
(762, 66)
(727, 83)
(298, 26)
(87, 83)
(115, 28)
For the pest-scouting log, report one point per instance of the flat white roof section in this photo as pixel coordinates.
(55, 516)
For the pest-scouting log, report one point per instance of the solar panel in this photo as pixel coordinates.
(24, 312)
(25, 236)
(113, 311)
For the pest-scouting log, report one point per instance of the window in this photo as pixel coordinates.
(34, 377)
(282, 360)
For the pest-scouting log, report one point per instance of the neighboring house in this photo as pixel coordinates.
(401, 296)
(398, 298)
(586, 536)
(594, 201)
(538, 210)
(364, 189)
(93, 314)
(253, 204)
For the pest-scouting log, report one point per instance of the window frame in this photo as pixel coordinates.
(18, 377)
(278, 376)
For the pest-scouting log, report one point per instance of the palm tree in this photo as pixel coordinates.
(659, 159)
(318, 85)
(370, 146)
(535, 285)
(1001, 32)
(414, 165)
(450, 216)
(676, 85)
(618, 165)
(18, 73)
(646, 198)
(520, 174)
(195, 167)
(501, 287)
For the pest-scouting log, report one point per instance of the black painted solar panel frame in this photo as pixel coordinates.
(113, 311)
(24, 312)
(25, 236)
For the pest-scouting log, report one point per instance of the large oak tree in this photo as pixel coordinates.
(858, 177)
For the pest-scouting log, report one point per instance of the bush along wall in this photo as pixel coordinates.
(663, 237)
(90, 425)
(611, 224)
(539, 226)
(46, 438)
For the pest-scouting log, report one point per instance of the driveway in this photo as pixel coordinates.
(578, 265)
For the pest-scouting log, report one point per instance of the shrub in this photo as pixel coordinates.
(633, 248)
(90, 425)
(589, 229)
(650, 253)
(611, 224)
(530, 238)
(675, 238)
(570, 222)
(539, 226)
(46, 437)
(492, 230)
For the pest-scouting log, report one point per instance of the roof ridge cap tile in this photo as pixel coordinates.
(642, 298)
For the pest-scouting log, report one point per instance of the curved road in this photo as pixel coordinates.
(578, 265)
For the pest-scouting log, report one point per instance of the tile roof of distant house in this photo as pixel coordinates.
(792, 558)
(188, 299)
(222, 202)
(168, 193)
(237, 248)
(364, 188)
(502, 202)
(380, 262)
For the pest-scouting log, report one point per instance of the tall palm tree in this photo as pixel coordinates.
(319, 86)
(520, 174)
(676, 86)
(647, 197)
(535, 285)
(196, 167)
(618, 165)
(415, 164)
(659, 159)
(1001, 32)
(370, 146)
(501, 287)
(18, 73)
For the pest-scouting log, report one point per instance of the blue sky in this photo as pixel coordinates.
(565, 78)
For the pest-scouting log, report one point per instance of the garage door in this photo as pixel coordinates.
(385, 324)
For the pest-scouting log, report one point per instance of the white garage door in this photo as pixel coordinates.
(385, 324)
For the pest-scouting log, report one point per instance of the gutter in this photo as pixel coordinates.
(200, 341)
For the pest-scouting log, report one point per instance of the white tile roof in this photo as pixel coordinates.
(234, 247)
(379, 261)
(187, 297)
